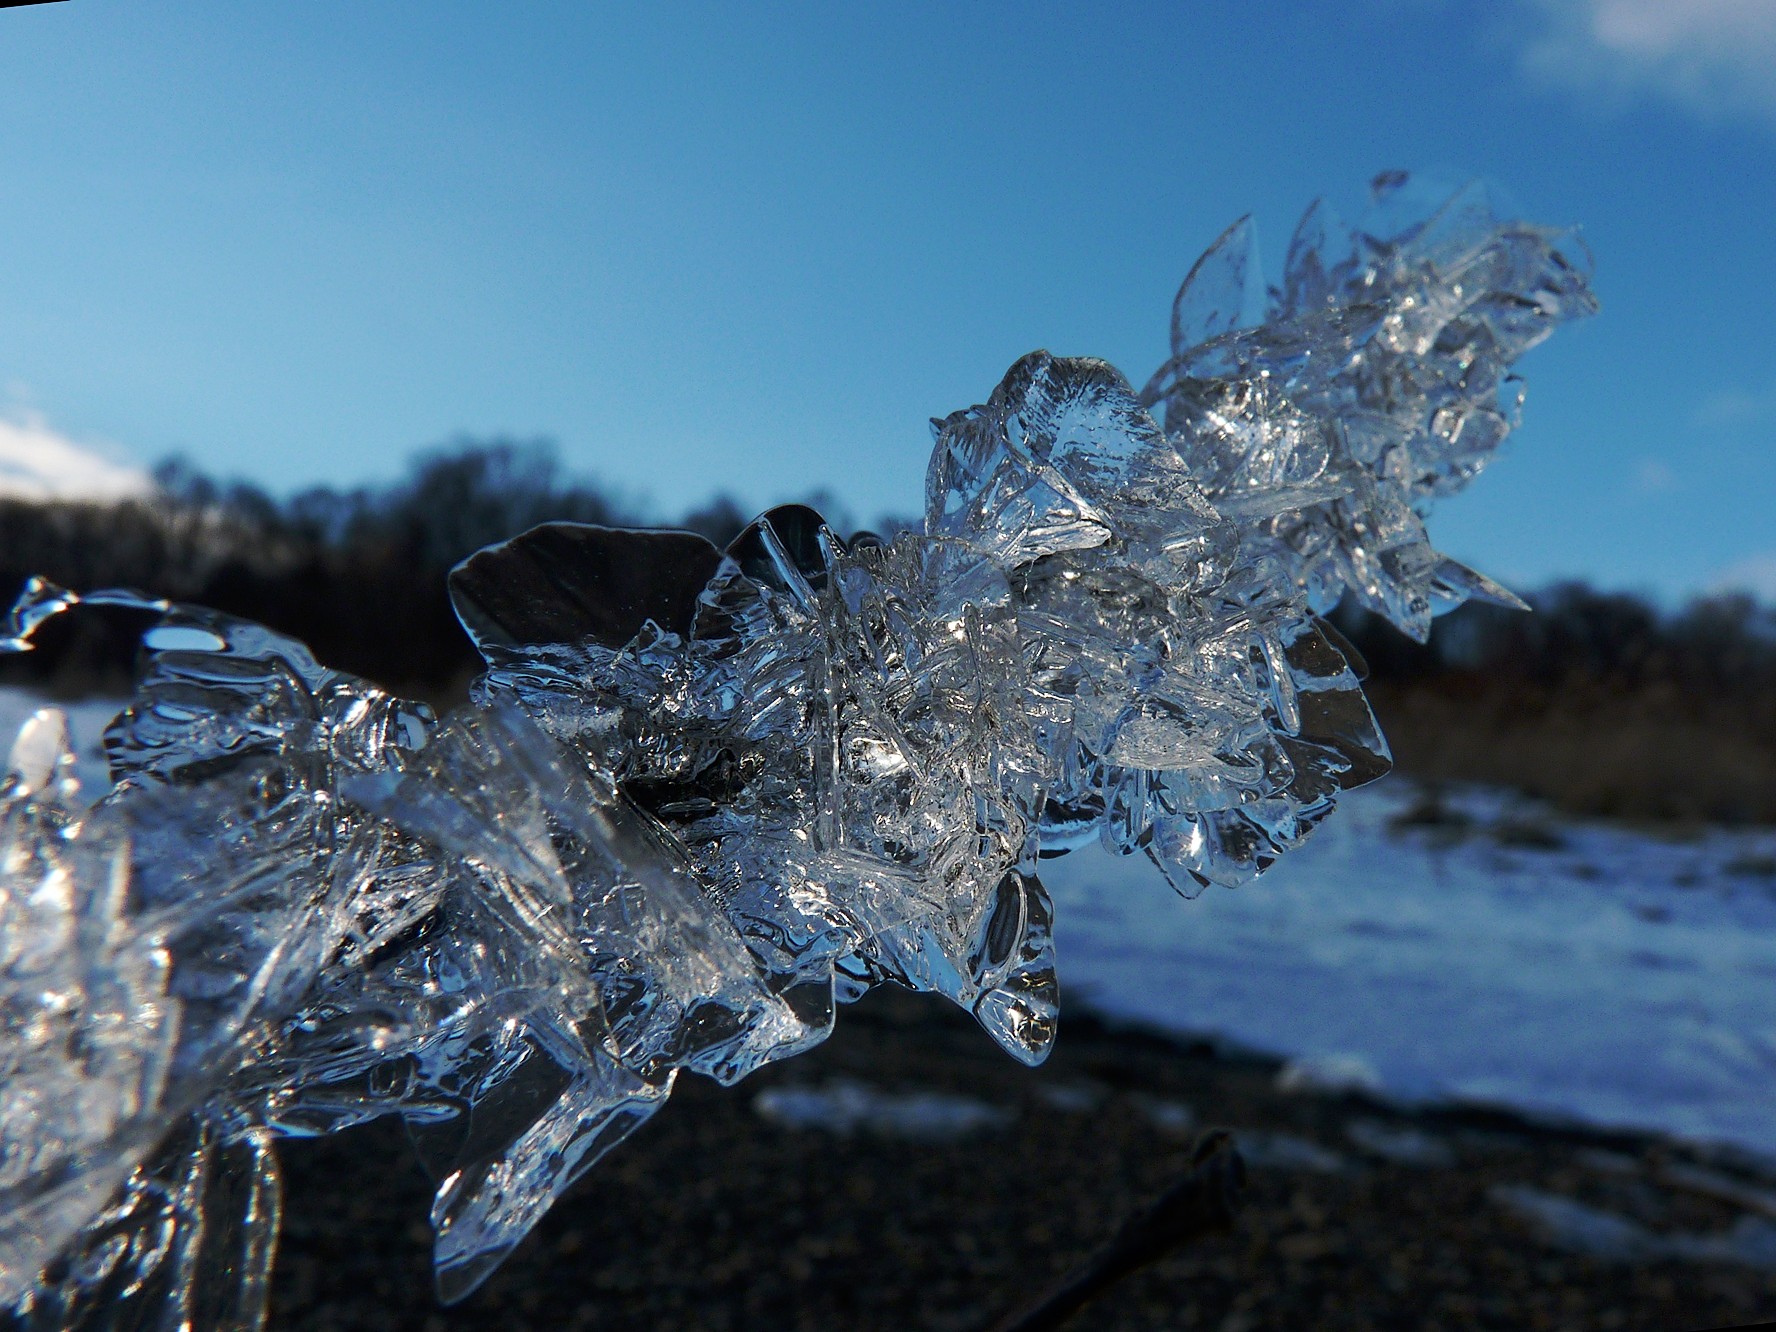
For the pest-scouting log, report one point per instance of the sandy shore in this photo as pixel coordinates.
(1358, 1216)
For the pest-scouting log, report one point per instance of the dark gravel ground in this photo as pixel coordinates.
(713, 1217)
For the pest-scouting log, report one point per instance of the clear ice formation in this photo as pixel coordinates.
(702, 797)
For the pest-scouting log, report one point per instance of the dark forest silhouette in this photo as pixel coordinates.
(356, 574)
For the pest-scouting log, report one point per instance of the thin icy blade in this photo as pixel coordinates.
(1021, 1011)
(1321, 252)
(481, 1213)
(563, 582)
(1223, 291)
(1455, 583)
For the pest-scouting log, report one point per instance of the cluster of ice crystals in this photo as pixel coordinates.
(1326, 414)
(703, 796)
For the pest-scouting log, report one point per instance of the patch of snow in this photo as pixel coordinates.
(1285, 1151)
(1619, 979)
(1400, 1145)
(1071, 1098)
(844, 1107)
(1725, 1188)
(1166, 1115)
(1331, 1073)
(1569, 1224)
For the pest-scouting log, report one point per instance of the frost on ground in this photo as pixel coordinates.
(702, 797)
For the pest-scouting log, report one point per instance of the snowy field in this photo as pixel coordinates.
(1605, 976)
(1613, 978)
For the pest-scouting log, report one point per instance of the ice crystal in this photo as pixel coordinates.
(701, 797)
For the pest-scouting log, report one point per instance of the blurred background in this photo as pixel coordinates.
(299, 305)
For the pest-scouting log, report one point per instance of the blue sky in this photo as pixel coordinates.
(755, 247)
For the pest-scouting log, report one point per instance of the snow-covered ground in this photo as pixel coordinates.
(1615, 979)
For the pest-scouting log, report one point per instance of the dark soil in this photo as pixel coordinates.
(713, 1217)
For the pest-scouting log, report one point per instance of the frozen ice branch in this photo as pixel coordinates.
(701, 797)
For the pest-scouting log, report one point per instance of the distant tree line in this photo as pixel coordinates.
(1598, 702)
(1717, 645)
(359, 574)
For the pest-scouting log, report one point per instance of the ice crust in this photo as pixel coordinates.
(702, 797)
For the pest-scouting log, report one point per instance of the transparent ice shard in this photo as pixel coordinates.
(701, 797)
(150, 943)
(1379, 381)
(1223, 291)
(484, 1208)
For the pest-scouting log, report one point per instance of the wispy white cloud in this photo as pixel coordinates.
(1715, 57)
(1736, 407)
(38, 462)
(1756, 574)
(1653, 477)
